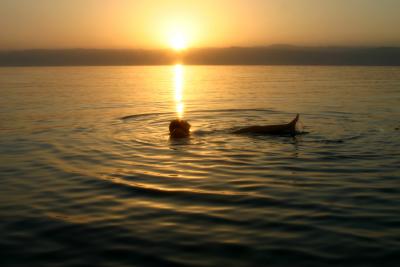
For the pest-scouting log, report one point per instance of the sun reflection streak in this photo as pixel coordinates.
(178, 86)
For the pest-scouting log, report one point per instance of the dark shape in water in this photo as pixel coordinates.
(279, 129)
(181, 129)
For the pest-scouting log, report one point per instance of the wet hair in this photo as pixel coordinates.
(179, 124)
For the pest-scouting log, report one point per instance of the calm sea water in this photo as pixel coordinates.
(89, 177)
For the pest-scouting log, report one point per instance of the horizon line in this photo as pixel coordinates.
(203, 47)
(256, 55)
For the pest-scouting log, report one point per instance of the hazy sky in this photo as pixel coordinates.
(203, 23)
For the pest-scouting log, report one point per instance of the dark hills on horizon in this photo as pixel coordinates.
(268, 55)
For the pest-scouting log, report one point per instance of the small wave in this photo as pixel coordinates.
(341, 140)
(134, 116)
(337, 141)
(141, 115)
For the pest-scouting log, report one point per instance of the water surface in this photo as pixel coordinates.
(89, 175)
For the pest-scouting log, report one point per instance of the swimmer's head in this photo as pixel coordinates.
(179, 129)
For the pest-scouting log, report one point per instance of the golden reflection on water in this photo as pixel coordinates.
(178, 87)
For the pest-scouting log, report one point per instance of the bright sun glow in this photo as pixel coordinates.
(178, 42)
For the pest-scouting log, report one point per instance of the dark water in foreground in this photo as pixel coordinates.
(79, 186)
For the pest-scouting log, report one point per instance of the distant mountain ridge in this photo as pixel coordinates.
(268, 55)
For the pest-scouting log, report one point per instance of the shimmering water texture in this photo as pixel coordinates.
(89, 176)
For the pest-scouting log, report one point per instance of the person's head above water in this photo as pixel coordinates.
(179, 128)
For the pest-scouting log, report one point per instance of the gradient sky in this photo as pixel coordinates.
(207, 23)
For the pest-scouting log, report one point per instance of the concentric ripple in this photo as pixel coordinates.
(94, 180)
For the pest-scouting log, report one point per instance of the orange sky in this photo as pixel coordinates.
(206, 23)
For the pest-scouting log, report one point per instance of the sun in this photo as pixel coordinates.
(178, 42)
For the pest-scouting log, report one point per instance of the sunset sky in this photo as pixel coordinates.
(208, 23)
